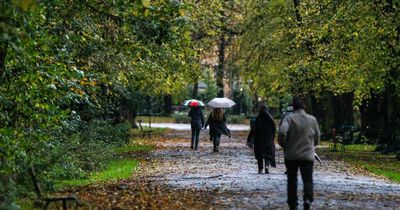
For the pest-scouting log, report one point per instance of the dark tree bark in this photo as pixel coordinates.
(371, 116)
(343, 106)
(391, 114)
(323, 110)
(296, 9)
(195, 93)
(168, 104)
(309, 45)
(3, 54)
(221, 66)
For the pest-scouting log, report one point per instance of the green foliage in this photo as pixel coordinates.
(212, 89)
(69, 73)
(237, 119)
(335, 46)
(181, 117)
(8, 194)
(134, 148)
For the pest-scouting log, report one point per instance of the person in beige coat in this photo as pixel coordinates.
(298, 135)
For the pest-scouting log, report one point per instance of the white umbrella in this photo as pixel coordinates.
(221, 103)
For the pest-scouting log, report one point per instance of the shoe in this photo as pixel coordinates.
(285, 172)
(307, 204)
(260, 171)
(266, 171)
(191, 147)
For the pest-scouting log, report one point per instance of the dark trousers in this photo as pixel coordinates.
(216, 139)
(195, 138)
(261, 162)
(306, 171)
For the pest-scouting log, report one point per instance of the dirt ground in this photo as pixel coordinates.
(233, 174)
(177, 177)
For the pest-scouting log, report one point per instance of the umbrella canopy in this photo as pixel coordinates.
(193, 103)
(221, 103)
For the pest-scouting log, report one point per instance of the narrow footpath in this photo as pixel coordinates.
(232, 175)
(176, 177)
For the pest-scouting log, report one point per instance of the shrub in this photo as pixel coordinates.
(181, 117)
(236, 119)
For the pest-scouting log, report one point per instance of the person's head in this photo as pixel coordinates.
(264, 109)
(217, 113)
(298, 103)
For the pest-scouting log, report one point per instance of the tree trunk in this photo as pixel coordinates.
(323, 110)
(371, 117)
(130, 116)
(168, 104)
(343, 106)
(195, 93)
(297, 12)
(3, 53)
(391, 113)
(221, 64)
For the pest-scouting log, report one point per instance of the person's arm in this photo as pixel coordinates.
(202, 118)
(208, 122)
(190, 113)
(317, 133)
(283, 129)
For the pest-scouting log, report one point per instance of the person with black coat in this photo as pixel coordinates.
(262, 133)
(217, 120)
(196, 123)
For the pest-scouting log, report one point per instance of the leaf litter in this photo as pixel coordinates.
(177, 177)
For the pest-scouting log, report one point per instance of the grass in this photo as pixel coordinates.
(157, 119)
(117, 169)
(364, 156)
(134, 148)
(156, 131)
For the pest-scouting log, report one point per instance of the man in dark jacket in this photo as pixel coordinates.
(298, 135)
(196, 123)
(262, 133)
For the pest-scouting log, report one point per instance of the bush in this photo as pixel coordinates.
(359, 138)
(8, 194)
(181, 117)
(90, 148)
(236, 119)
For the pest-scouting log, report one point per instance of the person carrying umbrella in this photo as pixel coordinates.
(217, 120)
(196, 123)
(262, 133)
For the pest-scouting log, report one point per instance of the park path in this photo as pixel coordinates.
(231, 177)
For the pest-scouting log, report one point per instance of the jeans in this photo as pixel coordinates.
(306, 171)
(195, 138)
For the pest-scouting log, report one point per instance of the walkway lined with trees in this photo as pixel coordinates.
(75, 74)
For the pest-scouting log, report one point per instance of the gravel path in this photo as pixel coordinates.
(231, 177)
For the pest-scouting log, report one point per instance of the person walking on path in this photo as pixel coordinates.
(262, 133)
(298, 135)
(289, 111)
(217, 120)
(196, 123)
